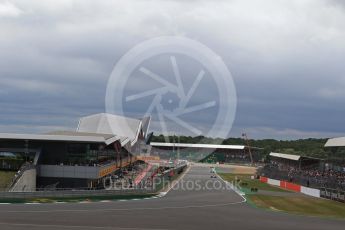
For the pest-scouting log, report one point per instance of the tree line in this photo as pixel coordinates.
(312, 147)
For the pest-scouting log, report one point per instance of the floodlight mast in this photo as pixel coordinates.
(26, 150)
(244, 135)
(176, 149)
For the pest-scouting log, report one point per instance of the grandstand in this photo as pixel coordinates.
(306, 171)
(102, 145)
(337, 158)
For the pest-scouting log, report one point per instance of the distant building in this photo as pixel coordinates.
(335, 142)
(211, 153)
(102, 144)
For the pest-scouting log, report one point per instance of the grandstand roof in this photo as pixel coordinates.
(286, 156)
(184, 145)
(104, 123)
(335, 142)
(97, 128)
(51, 137)
(74, 133)
(109, 138)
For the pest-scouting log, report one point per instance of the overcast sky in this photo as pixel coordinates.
(287, 58)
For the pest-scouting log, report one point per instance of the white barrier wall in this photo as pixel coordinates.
(310, 191)
(66, 171)
(273, 182)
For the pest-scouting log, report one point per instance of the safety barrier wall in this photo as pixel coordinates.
(61, 194)
(310, 191)
(263, 179)
(273, 182)
(292, 186)
(168, 176)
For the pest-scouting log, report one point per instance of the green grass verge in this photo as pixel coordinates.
(300, 205)
(6, 179)
(250, 183)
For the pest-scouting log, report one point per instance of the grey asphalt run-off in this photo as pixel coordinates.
(181, 208)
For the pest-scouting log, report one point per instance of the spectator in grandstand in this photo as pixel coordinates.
(309, 177)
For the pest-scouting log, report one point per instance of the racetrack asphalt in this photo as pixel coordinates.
(196, 202)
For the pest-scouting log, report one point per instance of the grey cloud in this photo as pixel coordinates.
(286, 58)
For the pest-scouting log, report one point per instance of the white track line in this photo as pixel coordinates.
(74, 226)
(137, 209)
(235, 190)
(125, 209)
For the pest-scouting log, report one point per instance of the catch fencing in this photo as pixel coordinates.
(333, 194)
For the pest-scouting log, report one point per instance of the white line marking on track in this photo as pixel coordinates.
(236, 191)
(85, 202)
(126, 209)
(160, 195)
(134, 209)
(75, 226)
